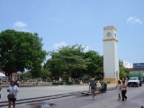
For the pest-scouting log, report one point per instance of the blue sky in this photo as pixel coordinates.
(69, 22)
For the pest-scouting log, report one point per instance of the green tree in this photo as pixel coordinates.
(45, 73)
(54, 65)
(95, 65)
(122, 73)
(20, 50)
(68, 59)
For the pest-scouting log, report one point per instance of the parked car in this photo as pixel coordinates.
(138, 74)
(134, 81)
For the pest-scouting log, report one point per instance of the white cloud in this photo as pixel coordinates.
(59, 45)
(20, 24)
(134, 20)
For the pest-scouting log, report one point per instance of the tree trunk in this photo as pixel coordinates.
(70, 79)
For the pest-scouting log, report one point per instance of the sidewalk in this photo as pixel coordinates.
(39, 91)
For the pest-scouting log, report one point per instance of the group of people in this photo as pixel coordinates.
(12, 93)
(121, 90)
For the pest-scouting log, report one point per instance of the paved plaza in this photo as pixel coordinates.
(104, 100)
(39, 91)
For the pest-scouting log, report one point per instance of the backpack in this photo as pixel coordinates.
(93, 84)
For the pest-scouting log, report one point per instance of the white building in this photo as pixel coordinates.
(126, 64)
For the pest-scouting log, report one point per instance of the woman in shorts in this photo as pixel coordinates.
(13, 91)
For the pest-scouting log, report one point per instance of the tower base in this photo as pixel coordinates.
(111, 80)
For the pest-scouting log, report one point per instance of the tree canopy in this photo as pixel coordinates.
(123, 72)
(74, 62)
(67, 59)
(20, 50)
(95, 65)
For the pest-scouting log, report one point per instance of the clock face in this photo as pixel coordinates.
(108, 34)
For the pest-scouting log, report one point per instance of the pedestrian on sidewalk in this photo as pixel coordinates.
(0, 90)
(118, 88)
(12, 96)
(92, 88)
(123, 90)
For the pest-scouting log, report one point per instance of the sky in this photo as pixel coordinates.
(69, 22)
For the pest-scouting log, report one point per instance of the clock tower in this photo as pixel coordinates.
(111, 60)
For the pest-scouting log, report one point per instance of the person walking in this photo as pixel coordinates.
(12, 96)
(118, 88)
(123, 90)
(0, 90)
(92, 88)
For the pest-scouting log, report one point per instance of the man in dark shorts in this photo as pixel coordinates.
(92, 87)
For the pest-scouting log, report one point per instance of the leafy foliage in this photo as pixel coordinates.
(20, 50)
(72, 62)
(123, 72)
(68, 59)
(95, 65)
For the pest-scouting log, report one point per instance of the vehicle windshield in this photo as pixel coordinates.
(133, 78)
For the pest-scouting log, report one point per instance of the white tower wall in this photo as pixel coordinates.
(111, 61)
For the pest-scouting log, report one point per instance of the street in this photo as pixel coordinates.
(105, 100)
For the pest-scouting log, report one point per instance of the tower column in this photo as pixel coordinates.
(111, 60)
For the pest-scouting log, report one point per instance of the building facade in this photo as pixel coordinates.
(138, 66)
(126, 64)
